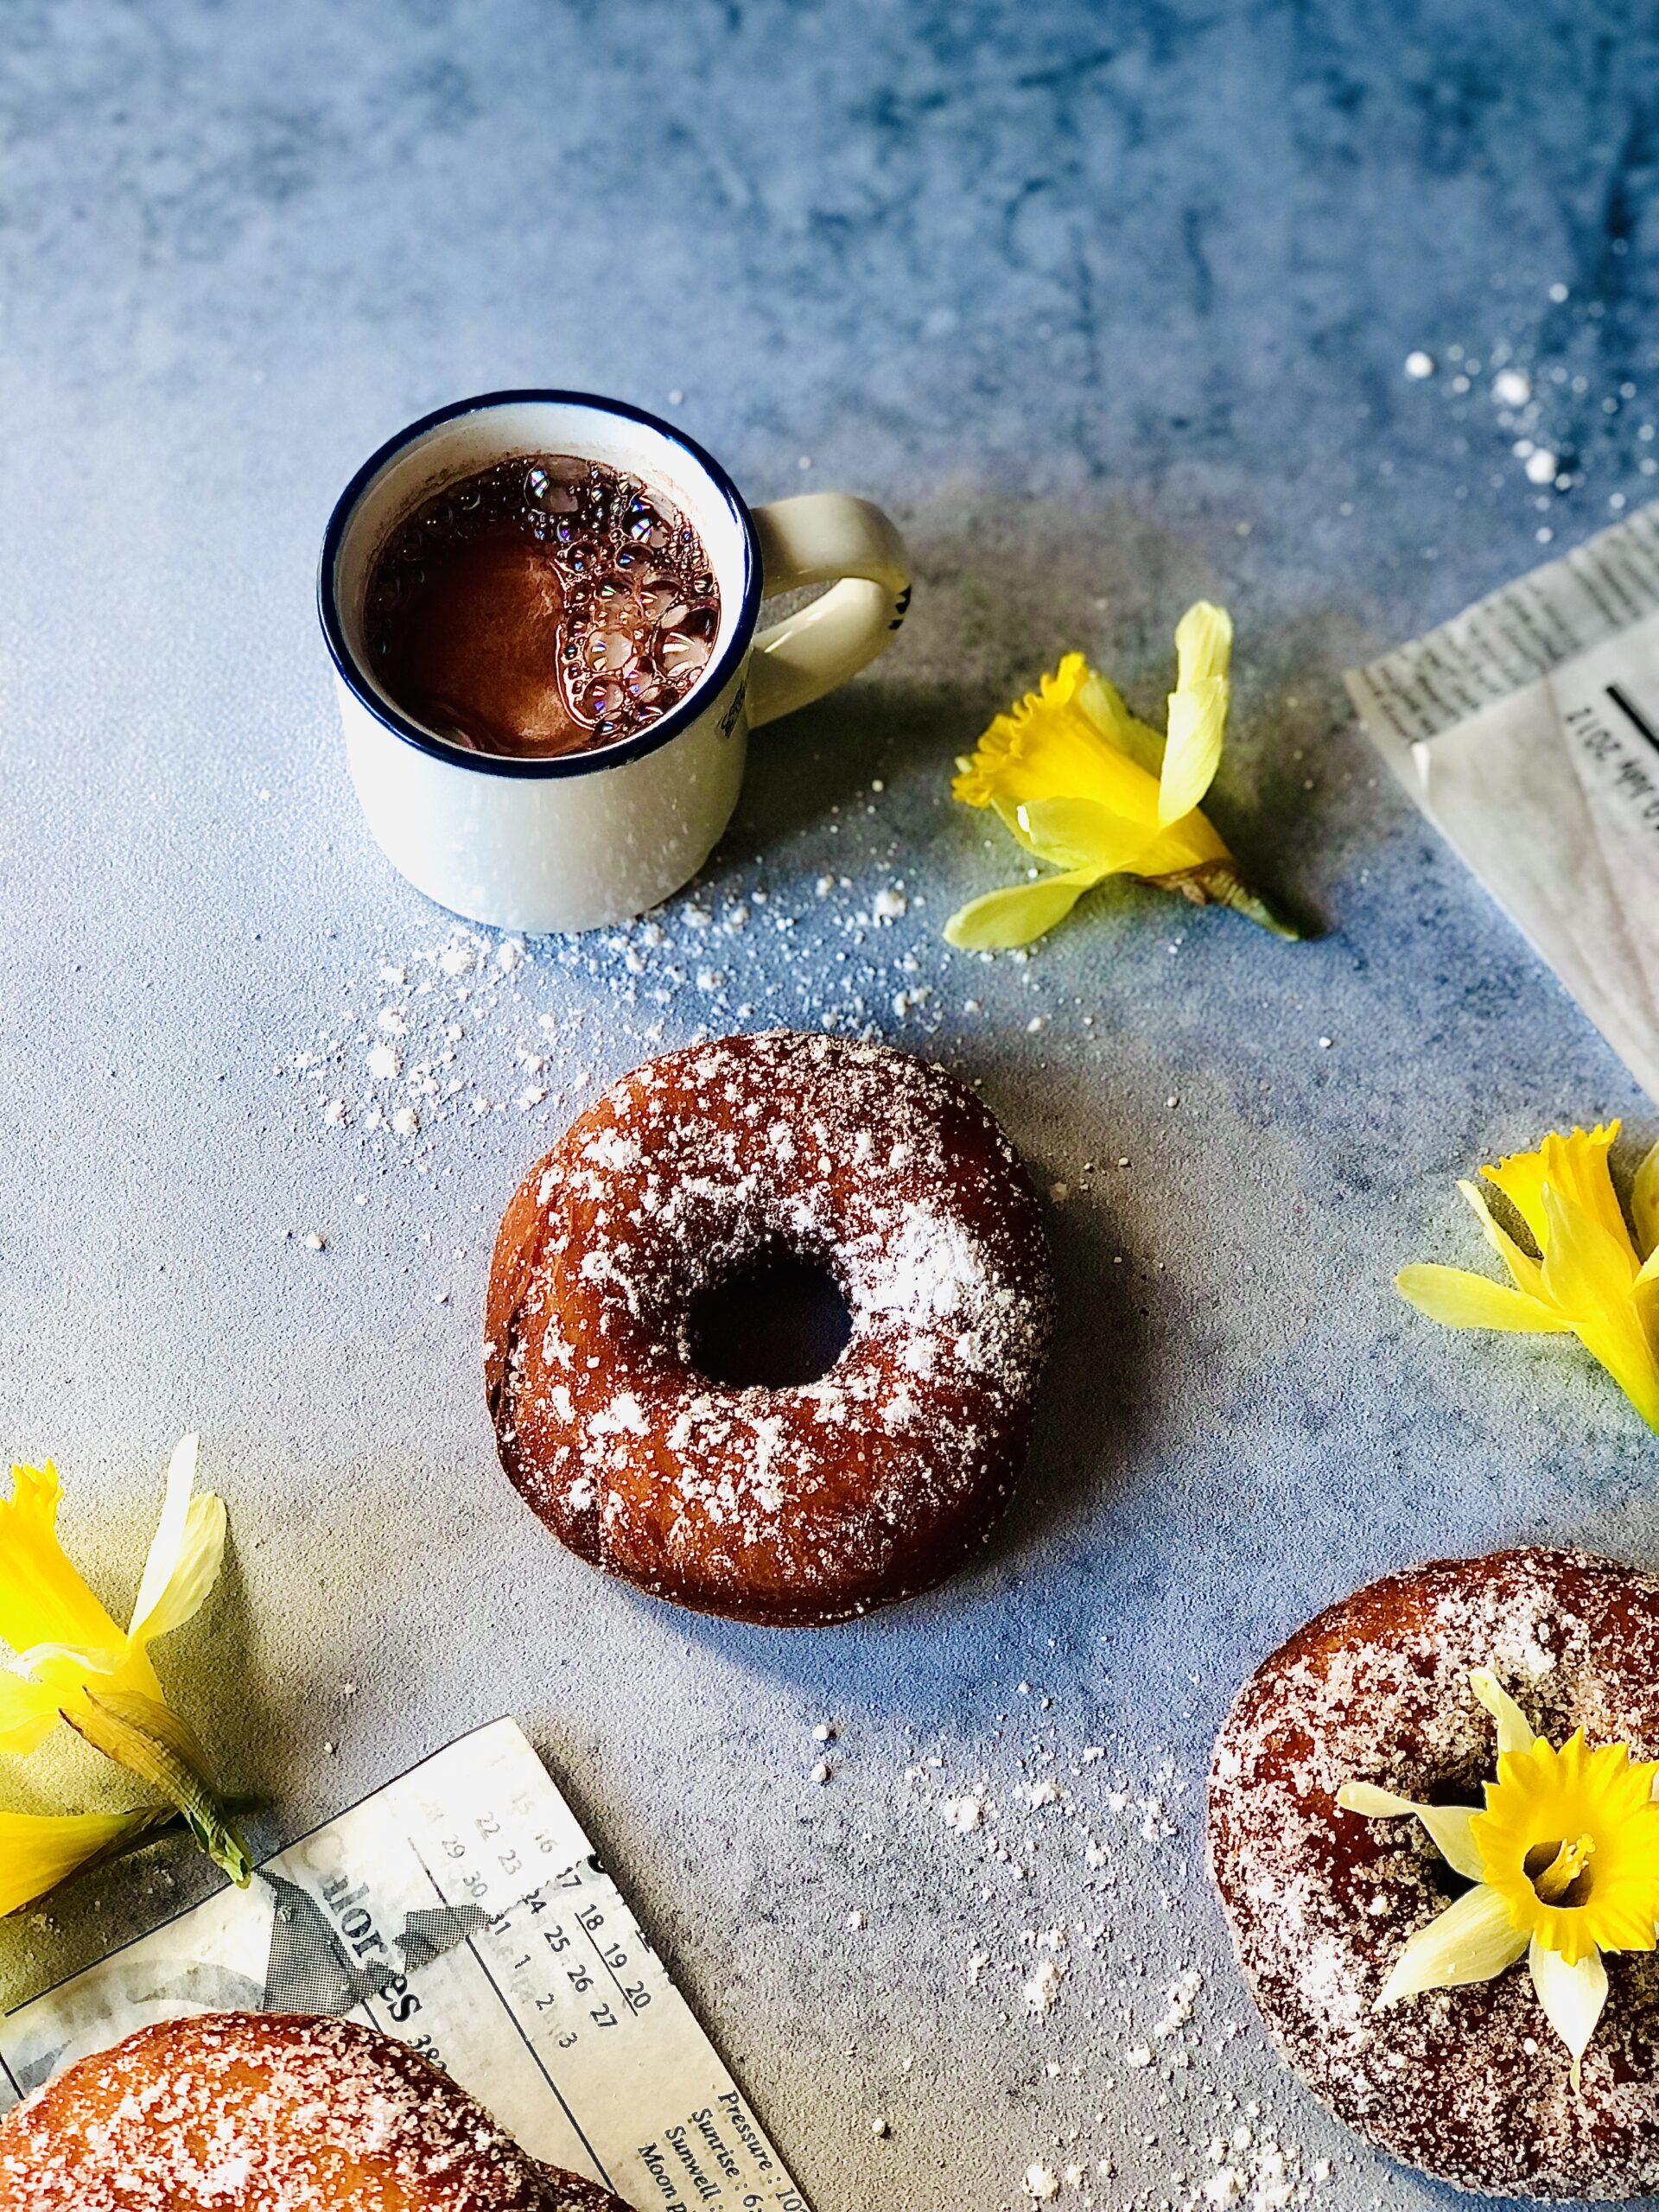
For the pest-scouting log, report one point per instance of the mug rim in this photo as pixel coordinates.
(596, 759)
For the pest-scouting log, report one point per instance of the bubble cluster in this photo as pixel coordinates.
(623, 577)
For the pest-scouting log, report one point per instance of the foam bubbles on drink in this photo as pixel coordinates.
(582, 572)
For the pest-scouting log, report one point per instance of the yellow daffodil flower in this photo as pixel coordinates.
(69, 1663)
(1589, 1275)
(1565, 1863)
(1080, 784)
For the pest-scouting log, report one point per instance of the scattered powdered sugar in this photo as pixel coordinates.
(1065, 1869)
(1044, 1985)
(1178, 1999)
(963, 1814)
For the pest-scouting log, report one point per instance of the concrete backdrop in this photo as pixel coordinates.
(1110, 305)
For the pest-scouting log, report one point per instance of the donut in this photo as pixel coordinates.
(808, 1501)
(1470, 2083)
(277, 2111)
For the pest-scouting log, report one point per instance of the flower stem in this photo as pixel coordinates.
(1218, 883)
(150, 1741)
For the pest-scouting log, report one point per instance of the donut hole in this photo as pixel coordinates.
(773, 1322)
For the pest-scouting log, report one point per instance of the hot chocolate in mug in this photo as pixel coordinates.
(578, 840)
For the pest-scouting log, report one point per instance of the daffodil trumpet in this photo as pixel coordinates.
(1564, 1863)
(1589, 1273)
(1080, 784)
(68, 1664)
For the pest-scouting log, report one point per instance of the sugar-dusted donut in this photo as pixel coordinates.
(788, 1505)
(276, 2111)
(1470, 2083)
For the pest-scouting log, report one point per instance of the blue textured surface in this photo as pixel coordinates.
(1110, 305)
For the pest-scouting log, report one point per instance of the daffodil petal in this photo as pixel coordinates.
(40, 1658)
(1081, 833)
(1592, 1275)
(1586, 1268)
(1197, 725)
(1197, 709)
(37, 1850)
(1573, 1997)
(1463, 1301)
(168, 1539)
(1103, 705)
(1191, 842)
(28, 1713)
(1470, 1941)
(1019, 914)
(1644, 1208)
(1515, 1730)
(1203, 643)
(1525, 1272)
(1448, 1825)
(184, 1559)
(43, 1599)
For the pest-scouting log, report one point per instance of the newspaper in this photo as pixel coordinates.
(463, 1909)
(1527, 731)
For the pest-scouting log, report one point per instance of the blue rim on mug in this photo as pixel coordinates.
(679, 718)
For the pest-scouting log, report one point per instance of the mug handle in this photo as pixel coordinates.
(825, 537)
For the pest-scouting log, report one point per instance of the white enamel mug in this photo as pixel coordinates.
(584, 839)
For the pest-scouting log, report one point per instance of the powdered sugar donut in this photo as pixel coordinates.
(1468, 2083)
(289, 2114)
(819, 1499)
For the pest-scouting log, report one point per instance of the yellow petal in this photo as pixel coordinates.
(1515, 1730)
(1198, 724)
(1019, 914)
(1573, 1997)
(1105, 707)
(1448, 1825)
(38, 1849)
(1197, 709)
(1472, 1941)
(1080, 833)
(1203, 643)
(1184, 844)
(28, 1712)
(1587, 1270)
(1591, 1275)
(42, 1598)
(1525, 1272)
(184, 1558)
(1462, 1301)
(1644, 1206)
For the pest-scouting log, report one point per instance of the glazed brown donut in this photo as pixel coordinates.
(1469, 2084)
(794, 1505)
(274, 2111)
